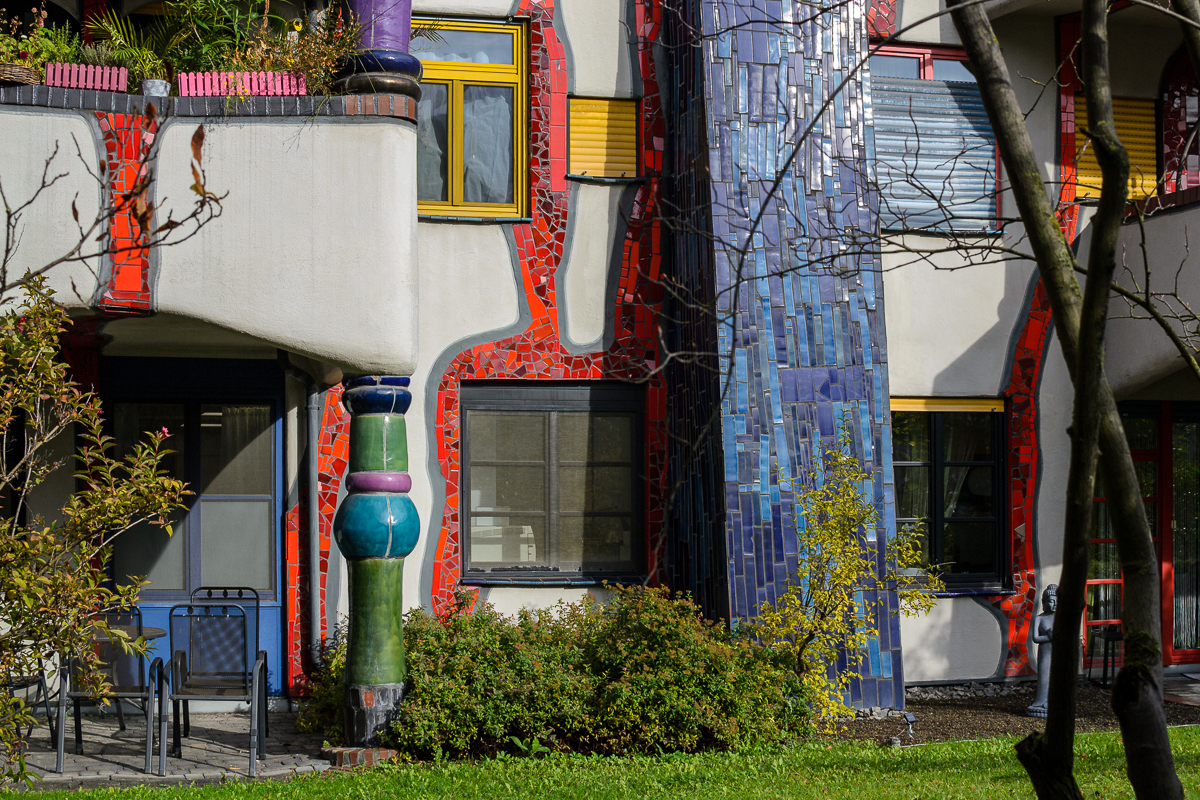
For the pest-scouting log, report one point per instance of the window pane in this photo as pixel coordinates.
(235, 543)
(595, 437)
(594, 542)
(235, 449)
(433, 154)
(910, 436)
(508, 488)
(1103, 564)
(912, 492)
(146, 550)
(970, 547)
(1104, 601)
(1147, 472)
(595, 489)
(968, 491)
(132, 420)
(517, 541)
(472, 47)
(1141, 432)
(895, 67)
(946, 69)
(488, 144)
(506, 436)
(967, 436)
(1101, 525)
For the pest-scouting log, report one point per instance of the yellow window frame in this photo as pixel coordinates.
(455, 76)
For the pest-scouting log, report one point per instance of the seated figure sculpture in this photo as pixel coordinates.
(1043, 630)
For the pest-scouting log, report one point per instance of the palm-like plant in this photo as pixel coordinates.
(147, 51)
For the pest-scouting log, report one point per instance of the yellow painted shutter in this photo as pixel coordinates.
(603, 138)
(1138, 132)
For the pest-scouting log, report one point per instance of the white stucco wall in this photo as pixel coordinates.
(1138, 351)
(586, 268)
(1054, 403)
(599, 37)
(979, 305)
(315, 250)
(46, 229)
(958, 640)
(939, 30)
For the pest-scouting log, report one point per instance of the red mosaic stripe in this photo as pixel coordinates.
(127, 142)
(333, 455)
(537, 352)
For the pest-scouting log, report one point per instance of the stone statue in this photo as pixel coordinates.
(1043, 629)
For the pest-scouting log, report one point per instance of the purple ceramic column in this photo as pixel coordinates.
(387, 24)
(384, 65)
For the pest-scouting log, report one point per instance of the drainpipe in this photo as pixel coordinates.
(313, 417)
(315, 408)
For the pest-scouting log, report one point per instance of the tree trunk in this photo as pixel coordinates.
(1048, 758)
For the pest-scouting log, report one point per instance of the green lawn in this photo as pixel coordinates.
(853, 771)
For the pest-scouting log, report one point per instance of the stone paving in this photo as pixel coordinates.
(1183, 689)
(218, 749)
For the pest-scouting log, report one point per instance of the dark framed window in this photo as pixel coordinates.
(225, 453)
(552, 482)
(949, 471)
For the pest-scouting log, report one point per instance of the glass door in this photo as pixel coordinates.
(225, 453)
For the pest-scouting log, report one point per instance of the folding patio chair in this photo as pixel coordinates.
(36, 681)
(210, 646)
(130, 679)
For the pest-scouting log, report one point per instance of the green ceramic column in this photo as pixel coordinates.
(376, 526)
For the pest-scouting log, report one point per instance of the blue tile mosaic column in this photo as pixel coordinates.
(376, 526)
(800, 320)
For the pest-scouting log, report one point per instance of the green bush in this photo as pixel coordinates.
(643, 672)
(322, 712)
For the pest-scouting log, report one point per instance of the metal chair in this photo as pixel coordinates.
(130, 680)
(37, 681)
(1113, 637)
(248, 599)
(210, 646)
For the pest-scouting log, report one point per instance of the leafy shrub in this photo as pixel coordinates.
(822, 624)
(322, 712)
(36, 44)
(643, 672)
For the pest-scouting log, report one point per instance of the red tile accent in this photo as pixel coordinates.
(881, 18)
(537, 353)
(127, 141)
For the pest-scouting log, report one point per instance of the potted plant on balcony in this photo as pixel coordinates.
(25, 49)
(146, 52)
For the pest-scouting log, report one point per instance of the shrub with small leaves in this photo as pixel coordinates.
(642, 672)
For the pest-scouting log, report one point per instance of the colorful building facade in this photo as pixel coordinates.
(636, 265)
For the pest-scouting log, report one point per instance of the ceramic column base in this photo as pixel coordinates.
(370, 711)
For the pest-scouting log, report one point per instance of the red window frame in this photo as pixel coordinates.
(926, 53)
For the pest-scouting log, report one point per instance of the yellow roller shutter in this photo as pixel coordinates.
(603, 137)
(1135, 126)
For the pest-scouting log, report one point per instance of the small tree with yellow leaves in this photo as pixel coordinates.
(830, 609)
